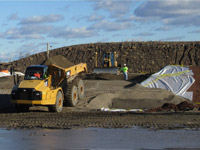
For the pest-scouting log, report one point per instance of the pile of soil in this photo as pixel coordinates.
(183, 106)
(136, 97)
(58, 60)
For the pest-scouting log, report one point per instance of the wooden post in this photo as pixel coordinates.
(115, 60)
(95, 59)
(110, 59)
(47, 50)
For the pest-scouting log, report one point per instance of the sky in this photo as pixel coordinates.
(27, 26)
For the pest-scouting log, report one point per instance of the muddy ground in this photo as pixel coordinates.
(160, 108)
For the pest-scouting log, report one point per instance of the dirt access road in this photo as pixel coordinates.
(101, 92)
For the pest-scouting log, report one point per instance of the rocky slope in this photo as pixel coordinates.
(147, 57)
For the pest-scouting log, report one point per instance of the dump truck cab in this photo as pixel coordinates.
(35, 89)
(49, 85)
(32, 85)
(36, 72)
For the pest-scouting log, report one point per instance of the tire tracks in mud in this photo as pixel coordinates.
(98, 119)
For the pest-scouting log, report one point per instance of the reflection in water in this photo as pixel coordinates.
(95, 138)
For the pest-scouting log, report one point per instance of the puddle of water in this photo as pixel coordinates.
(96, 138)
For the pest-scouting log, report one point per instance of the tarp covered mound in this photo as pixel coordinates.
(59, 60)
(177, 79)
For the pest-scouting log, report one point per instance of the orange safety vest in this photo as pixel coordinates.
(37, 75)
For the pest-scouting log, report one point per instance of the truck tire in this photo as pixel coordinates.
(72, 94)
(59, 103)
(81, 88)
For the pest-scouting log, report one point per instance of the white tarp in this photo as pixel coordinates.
(19, 73)
(121, 110)
(4, 74)
(177, 79)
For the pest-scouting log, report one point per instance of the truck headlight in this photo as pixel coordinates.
(68, 73)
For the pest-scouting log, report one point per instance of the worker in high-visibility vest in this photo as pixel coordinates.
(125, 72)
(37, 74)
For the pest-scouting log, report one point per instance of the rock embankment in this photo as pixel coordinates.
(147, 57)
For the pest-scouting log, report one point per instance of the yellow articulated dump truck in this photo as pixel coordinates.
(49, 85)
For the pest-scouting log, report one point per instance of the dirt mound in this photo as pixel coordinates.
(136, 97)
(59, 60)
(183, 106)
(103, 100)
(169, 106)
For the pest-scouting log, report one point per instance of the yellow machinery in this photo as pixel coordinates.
(109, 63)
(54, 87)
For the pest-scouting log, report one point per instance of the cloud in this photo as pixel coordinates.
(103, 40)
(1, 35)
(115, 8)
(32, 48)
(116, 35)
(6, 57)
(31, 28)
(176, 12)
(195, 31)
(94, 18)
(111, 26)
(144, 34)
(24, 50)
(27, 32)
(127, 19)
(27, 37)
(13, 17)
(38, 31)
(91, 18)
(164, 28)
(42, 19)
(176, 38)
(65, 32)
(4, 25)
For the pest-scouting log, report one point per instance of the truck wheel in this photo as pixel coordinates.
(81, 88)
(72, 94)
(59, 103)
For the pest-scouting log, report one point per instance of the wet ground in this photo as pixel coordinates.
(95, 138)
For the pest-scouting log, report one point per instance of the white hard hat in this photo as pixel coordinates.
(124, 64)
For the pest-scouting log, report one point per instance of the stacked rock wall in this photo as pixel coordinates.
(146, 57)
